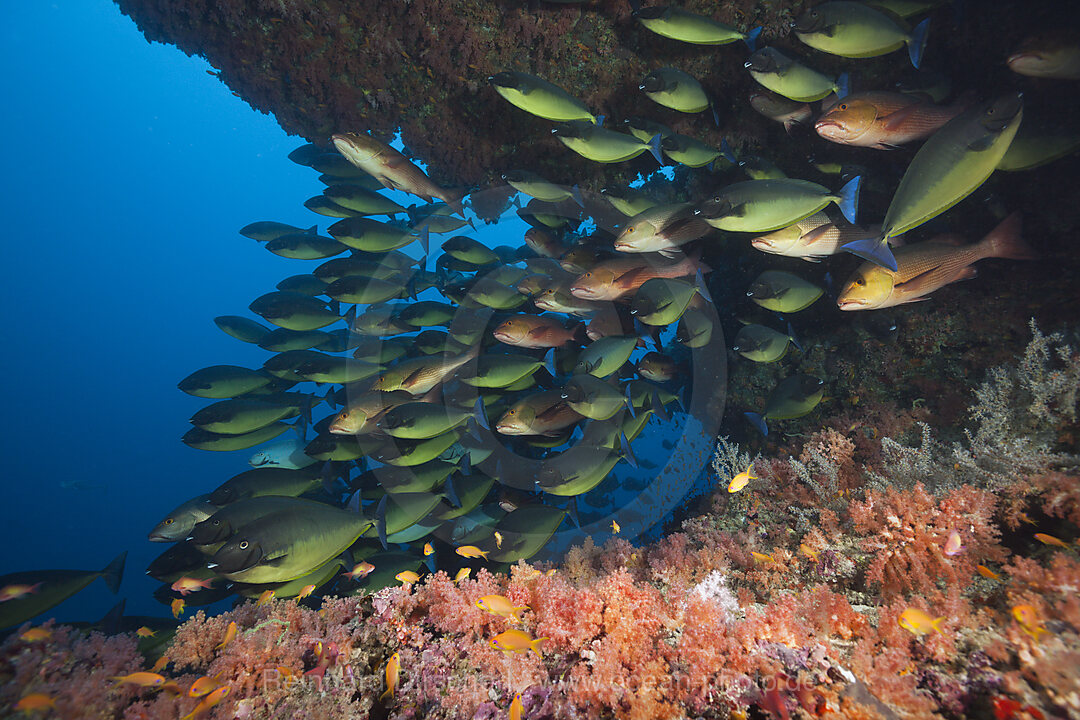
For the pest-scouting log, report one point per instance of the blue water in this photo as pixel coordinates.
(127, 171)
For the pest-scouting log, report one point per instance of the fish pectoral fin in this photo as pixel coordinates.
(895, 119)
(817, 234)
(537, 332)
(552, 412)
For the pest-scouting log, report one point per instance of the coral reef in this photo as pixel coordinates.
(827, 589)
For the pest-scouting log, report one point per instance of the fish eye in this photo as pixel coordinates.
(588, 274)
(860, 281)
(168, 521)
(842, 106)
(243, 544)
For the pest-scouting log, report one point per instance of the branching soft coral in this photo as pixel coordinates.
(905, 531)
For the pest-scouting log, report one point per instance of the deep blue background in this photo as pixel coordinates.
(127, 172)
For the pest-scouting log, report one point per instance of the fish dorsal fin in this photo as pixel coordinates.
(950, 240)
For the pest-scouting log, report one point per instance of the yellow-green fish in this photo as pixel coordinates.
(792, 398)
(954, 162)
(767, 205)
(539, 97)
(783, 292)
(763, 344)
(675, 89)
(777, 72)
(674, 22)
(857, 30)
(602, 145)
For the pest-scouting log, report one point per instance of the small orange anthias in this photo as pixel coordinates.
(1029, 620)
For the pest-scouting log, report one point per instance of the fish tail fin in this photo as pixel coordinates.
(715, 115)
(791, 336)
(876, 250)
(380, 521)
(758, 421)
(455, 199)
(654, 147)
(627, 451)
(849, 199)
(936, 624)
(480, 413)
(751, 38)
(114, 572)
(917, 42)
(110, 623)
(388, 694)
(843, 86)
(451, 492)
(575, 192)
(535, 646)
(1004, 241)
(726, 151)
(600, 120)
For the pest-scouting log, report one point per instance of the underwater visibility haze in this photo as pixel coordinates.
(537, 359)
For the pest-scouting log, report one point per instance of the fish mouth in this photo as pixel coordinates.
(505, 338)
(507, 429)
(830, 128)
(850, 304)
(580, 291)
(761, 244)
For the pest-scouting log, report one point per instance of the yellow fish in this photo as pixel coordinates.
(1050, 540)
(177, 607)
(360, 570)
(498, 539)
(517, 641)
(230, 635)
(203, 686)
(516, 707)
(160, 664)
(139, 679)
(740, 481)
(987, 572)
(762, 557)
(393, 670)
(500, 605)
(407, 577)
(208, 702)
(809, 552)
(462, 574)
(471, 551)
(265, 598)
(1029, 620)
(428, 550)
(35, 701)
(615, 528)
(36, 635)
(919, 623)
(305, 592)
